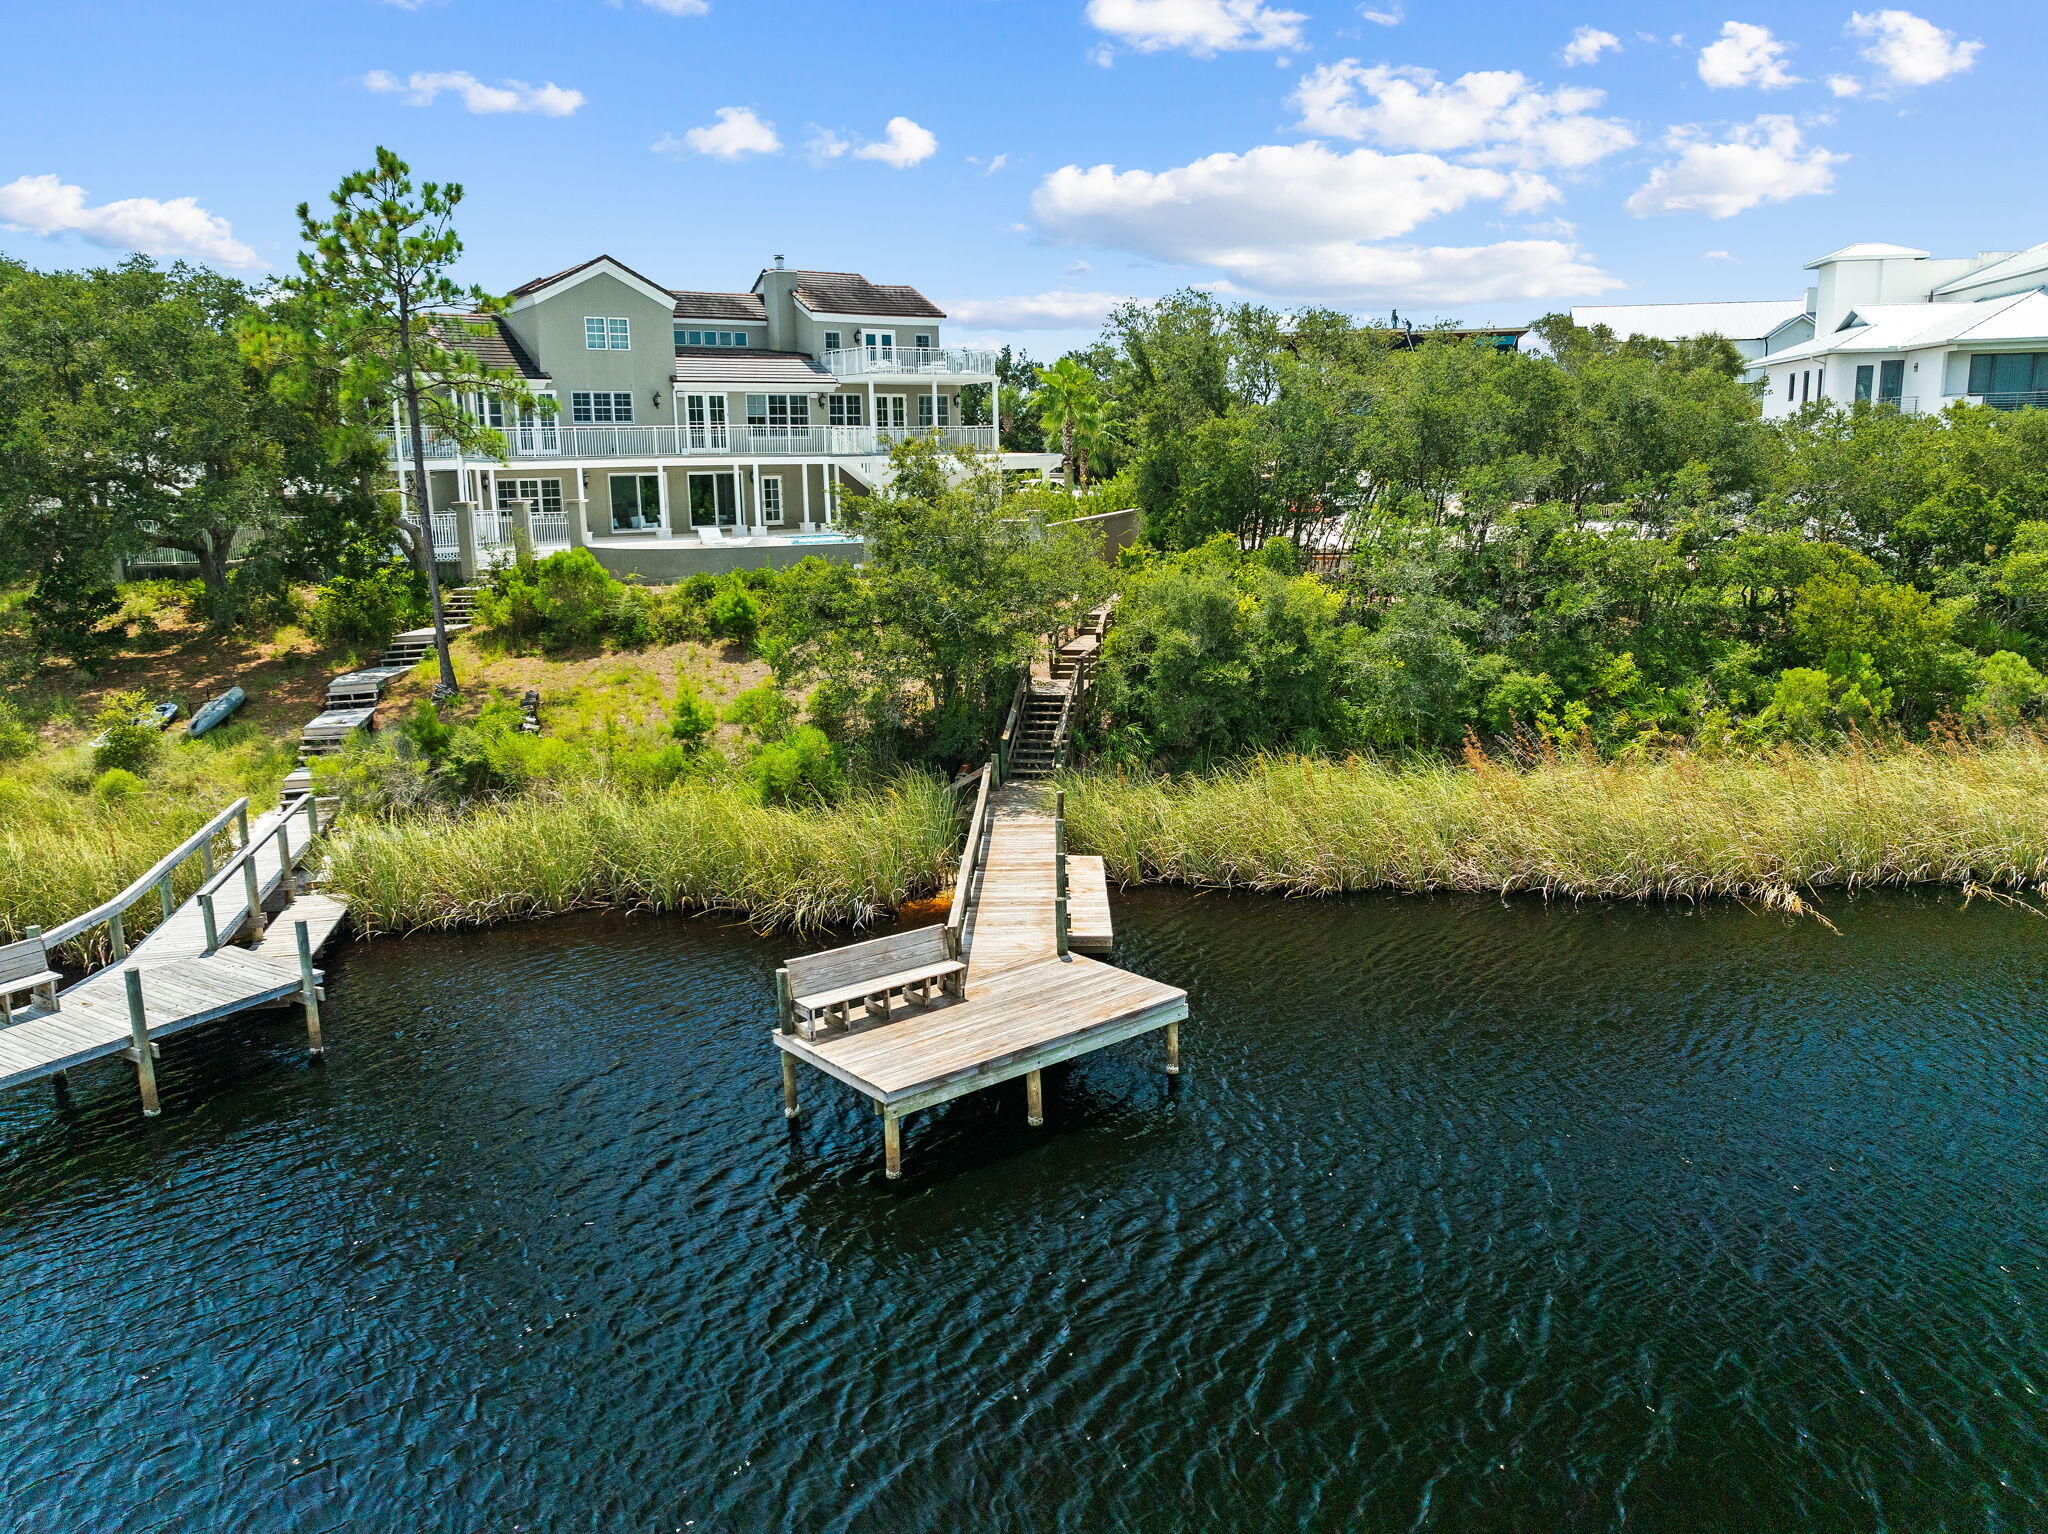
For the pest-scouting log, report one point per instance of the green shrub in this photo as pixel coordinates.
(424, 728)
(763, 712)
(565, 600)
(116, 783)
(360, 613)
(128, 736)
(801, 768)
(733, 613)
(692, 719)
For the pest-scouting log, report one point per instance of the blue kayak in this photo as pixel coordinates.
(214, 712)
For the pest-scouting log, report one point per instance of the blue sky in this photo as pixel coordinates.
(1028, 162)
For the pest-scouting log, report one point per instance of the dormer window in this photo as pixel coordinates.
(606, 334)
(712, 338)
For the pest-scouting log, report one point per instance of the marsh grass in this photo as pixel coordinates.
(65, 848)
(705, 846)
(1769, 829)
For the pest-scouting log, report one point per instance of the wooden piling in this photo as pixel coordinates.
(253, 893)
(117, 935)
(1173, 1049)
(892, 1144)
(165, 897)
(785, 1010)
(789, 1109)
(138, 1031)
(206, 913)
(309, 991)
(1034, 1098)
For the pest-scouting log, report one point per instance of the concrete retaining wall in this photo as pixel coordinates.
(664, 565)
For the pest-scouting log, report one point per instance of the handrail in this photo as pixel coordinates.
(244, 862)
(956, 918)
(1009, 735)
(1061, 914)
(162, 869)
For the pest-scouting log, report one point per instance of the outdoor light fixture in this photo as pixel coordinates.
(657, 399)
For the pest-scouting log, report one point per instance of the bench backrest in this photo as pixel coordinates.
(838, 967)
(20, 960)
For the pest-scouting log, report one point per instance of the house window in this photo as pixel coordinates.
(606, 335)
(636, 502)
(771, 499)
(890, 410)
(600, 408)
(934, 412)
(711, 338)
(546, 494)
(924, 343)
(879, 343)
(843, 409)
(487, 410)
(779, 410)
(1891, 382)
(2008, 374)
(1866, 376)
(834, 340)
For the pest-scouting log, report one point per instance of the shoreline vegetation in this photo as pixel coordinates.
(1775, 828)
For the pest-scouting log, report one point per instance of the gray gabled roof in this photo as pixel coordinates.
(851, 293)
(496, 348)
(538, 283)
(720, 306)
(740, 367)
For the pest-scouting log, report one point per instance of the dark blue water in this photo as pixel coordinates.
(1466, 1217)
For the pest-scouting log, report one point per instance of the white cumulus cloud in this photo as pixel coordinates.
(1391, 16)
(1910, 50)
(738, 133)
(902, 145)
(679, 7)
(177, 226)
(1295, 219)
(1768, 160)
(422, 87)
(1587, 44)
(1035, 311)
(1746, 54)
(1498, 111)
(1200, 27)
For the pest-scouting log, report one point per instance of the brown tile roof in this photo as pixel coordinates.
(851, 293)
(538, 283)
(739, 366)
(498, 348)
(720, 306)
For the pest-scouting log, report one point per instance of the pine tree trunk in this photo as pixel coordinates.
(423, 510)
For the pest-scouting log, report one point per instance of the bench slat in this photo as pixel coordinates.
(839, 967)
(817, 1000)
(28, 957)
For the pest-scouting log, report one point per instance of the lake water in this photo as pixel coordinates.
(1467, 1216)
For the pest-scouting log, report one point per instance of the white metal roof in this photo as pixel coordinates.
(1909, 327)
(1869, 251)
(1738, 319)
(2025, 263)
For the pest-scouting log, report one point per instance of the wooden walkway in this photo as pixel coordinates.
(180, 976)
(1027, 1005)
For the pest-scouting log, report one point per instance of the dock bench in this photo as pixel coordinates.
(823, 988)
(25, 970)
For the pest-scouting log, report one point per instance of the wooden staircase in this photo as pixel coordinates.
(1044, 719)
(352, 698)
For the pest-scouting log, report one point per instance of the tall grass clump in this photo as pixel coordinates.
(709, 846)
(1683, 827)
(72, 837)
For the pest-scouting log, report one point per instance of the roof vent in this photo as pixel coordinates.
(778, 262)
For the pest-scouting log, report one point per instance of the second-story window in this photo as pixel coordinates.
(843, 410)
(924, 343)
(778, 410)
(487, 410)
(602, 334)
(834, 340)
(712, 338)
(600, 407)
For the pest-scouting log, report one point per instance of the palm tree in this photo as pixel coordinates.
(1069, 402)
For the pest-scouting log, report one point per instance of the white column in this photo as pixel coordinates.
(874, 421)
(935, 403)
(661, 494)
(760, 522)
(804, 505)
(995, 409)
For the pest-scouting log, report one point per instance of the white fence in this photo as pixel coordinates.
(653, 442)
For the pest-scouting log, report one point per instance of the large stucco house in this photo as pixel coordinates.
(702, 421)
(1887, 323)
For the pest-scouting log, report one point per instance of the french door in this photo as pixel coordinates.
(704, 420)
(714, 499)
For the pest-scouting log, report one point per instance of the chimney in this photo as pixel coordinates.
(777, 286)
(778, 261)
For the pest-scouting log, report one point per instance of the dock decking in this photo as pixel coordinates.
(186, 971)
(1027, 1004)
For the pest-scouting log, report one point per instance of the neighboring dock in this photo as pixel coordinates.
(187, 971)
(1012, 996)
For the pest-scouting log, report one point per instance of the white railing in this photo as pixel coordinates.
(897, 361)
(2004, 399)
(551, 529)
(652, 442)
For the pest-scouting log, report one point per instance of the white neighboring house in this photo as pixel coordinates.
(1895, 325)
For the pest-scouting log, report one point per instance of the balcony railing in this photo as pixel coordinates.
(651, 442)
(902, 361)
(2006, 399)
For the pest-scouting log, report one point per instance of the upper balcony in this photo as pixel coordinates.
(929, 362)
(551, 439)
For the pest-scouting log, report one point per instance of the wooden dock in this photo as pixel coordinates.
(187, 970)
(1030, 1002)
